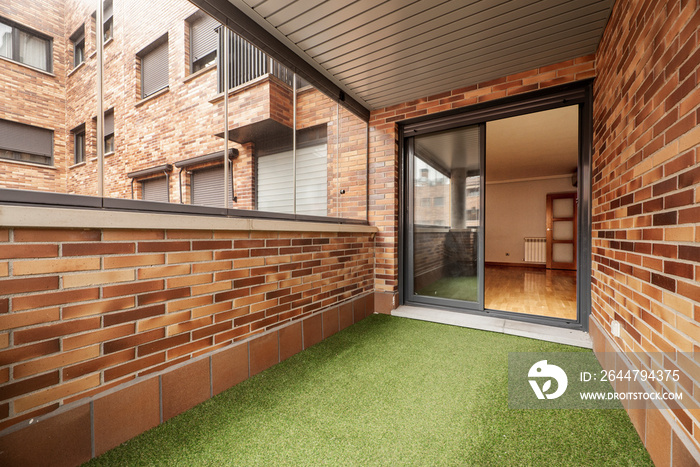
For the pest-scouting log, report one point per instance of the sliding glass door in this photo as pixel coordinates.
(445, 228)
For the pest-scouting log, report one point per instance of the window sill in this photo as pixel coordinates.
(48, 73)
(93, 159)
(199, 73)
(29, 164)
(152, 96)
(109, 41)
(79, 164)
(74, 70)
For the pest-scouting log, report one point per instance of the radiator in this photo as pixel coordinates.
(535, 250)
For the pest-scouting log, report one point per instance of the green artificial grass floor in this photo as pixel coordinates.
(458, 288)
(387, 391)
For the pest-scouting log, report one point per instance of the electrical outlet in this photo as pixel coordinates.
(615, 328)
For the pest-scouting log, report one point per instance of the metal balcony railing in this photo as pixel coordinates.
(247, 62)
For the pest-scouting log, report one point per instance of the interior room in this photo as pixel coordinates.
(530, 262)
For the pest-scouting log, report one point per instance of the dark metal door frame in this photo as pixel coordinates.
(578, 93)
(438, 301)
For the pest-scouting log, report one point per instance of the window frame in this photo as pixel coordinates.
(49, 158)
(79, 132)
(78, 41)
(108, 21)
(109, 136)
(145, 52)
(16, 29)
(209, 60)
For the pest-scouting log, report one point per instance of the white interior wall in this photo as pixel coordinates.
(515, 210)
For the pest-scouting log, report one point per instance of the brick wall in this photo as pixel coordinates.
(40, 99)
(85, 311)
(384, 157)
(645, 200)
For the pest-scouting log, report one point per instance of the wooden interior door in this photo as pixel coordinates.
(561, 230)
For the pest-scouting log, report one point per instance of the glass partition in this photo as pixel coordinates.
(446, 221)
(285, 147)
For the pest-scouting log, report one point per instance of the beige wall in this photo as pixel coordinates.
(515, 210)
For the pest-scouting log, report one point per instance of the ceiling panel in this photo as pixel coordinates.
(386, 52)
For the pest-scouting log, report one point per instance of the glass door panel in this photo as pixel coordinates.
(445, 204)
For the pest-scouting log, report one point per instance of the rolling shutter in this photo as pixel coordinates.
(275, 187)
(312, 181)
(155, 189)
(26, 139)
(108, 11)
(154, 70)
(208, 187)
(109, 123)
(204, 37)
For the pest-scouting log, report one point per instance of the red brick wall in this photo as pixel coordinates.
(384, 157)
(645, 195)
(83, 311)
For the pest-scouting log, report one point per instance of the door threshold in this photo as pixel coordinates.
(504, 326)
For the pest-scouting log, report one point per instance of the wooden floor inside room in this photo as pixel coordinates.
(543, 292)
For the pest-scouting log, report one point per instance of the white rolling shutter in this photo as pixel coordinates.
(312, 180)
(275, 187)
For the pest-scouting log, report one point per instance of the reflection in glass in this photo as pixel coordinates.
(163, 105)
(5, 40)
(446, 214)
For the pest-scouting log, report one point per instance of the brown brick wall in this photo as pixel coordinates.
(384, 157)
(645, 192)
(40, 100)
(84, 310)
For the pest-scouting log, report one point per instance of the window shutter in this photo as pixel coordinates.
(204, 37)
(312, 182)
(208, 187)
(24, 138)
(154, 70)
(109, 123)
(155, 189)
(108, 11)
(275, 188)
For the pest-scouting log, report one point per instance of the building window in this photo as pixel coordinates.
(108, 18)
(26, 143)
(109, 132)
(154, 67)
(79, 144)
(78, 40)
(203, 41)
(25, 46)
